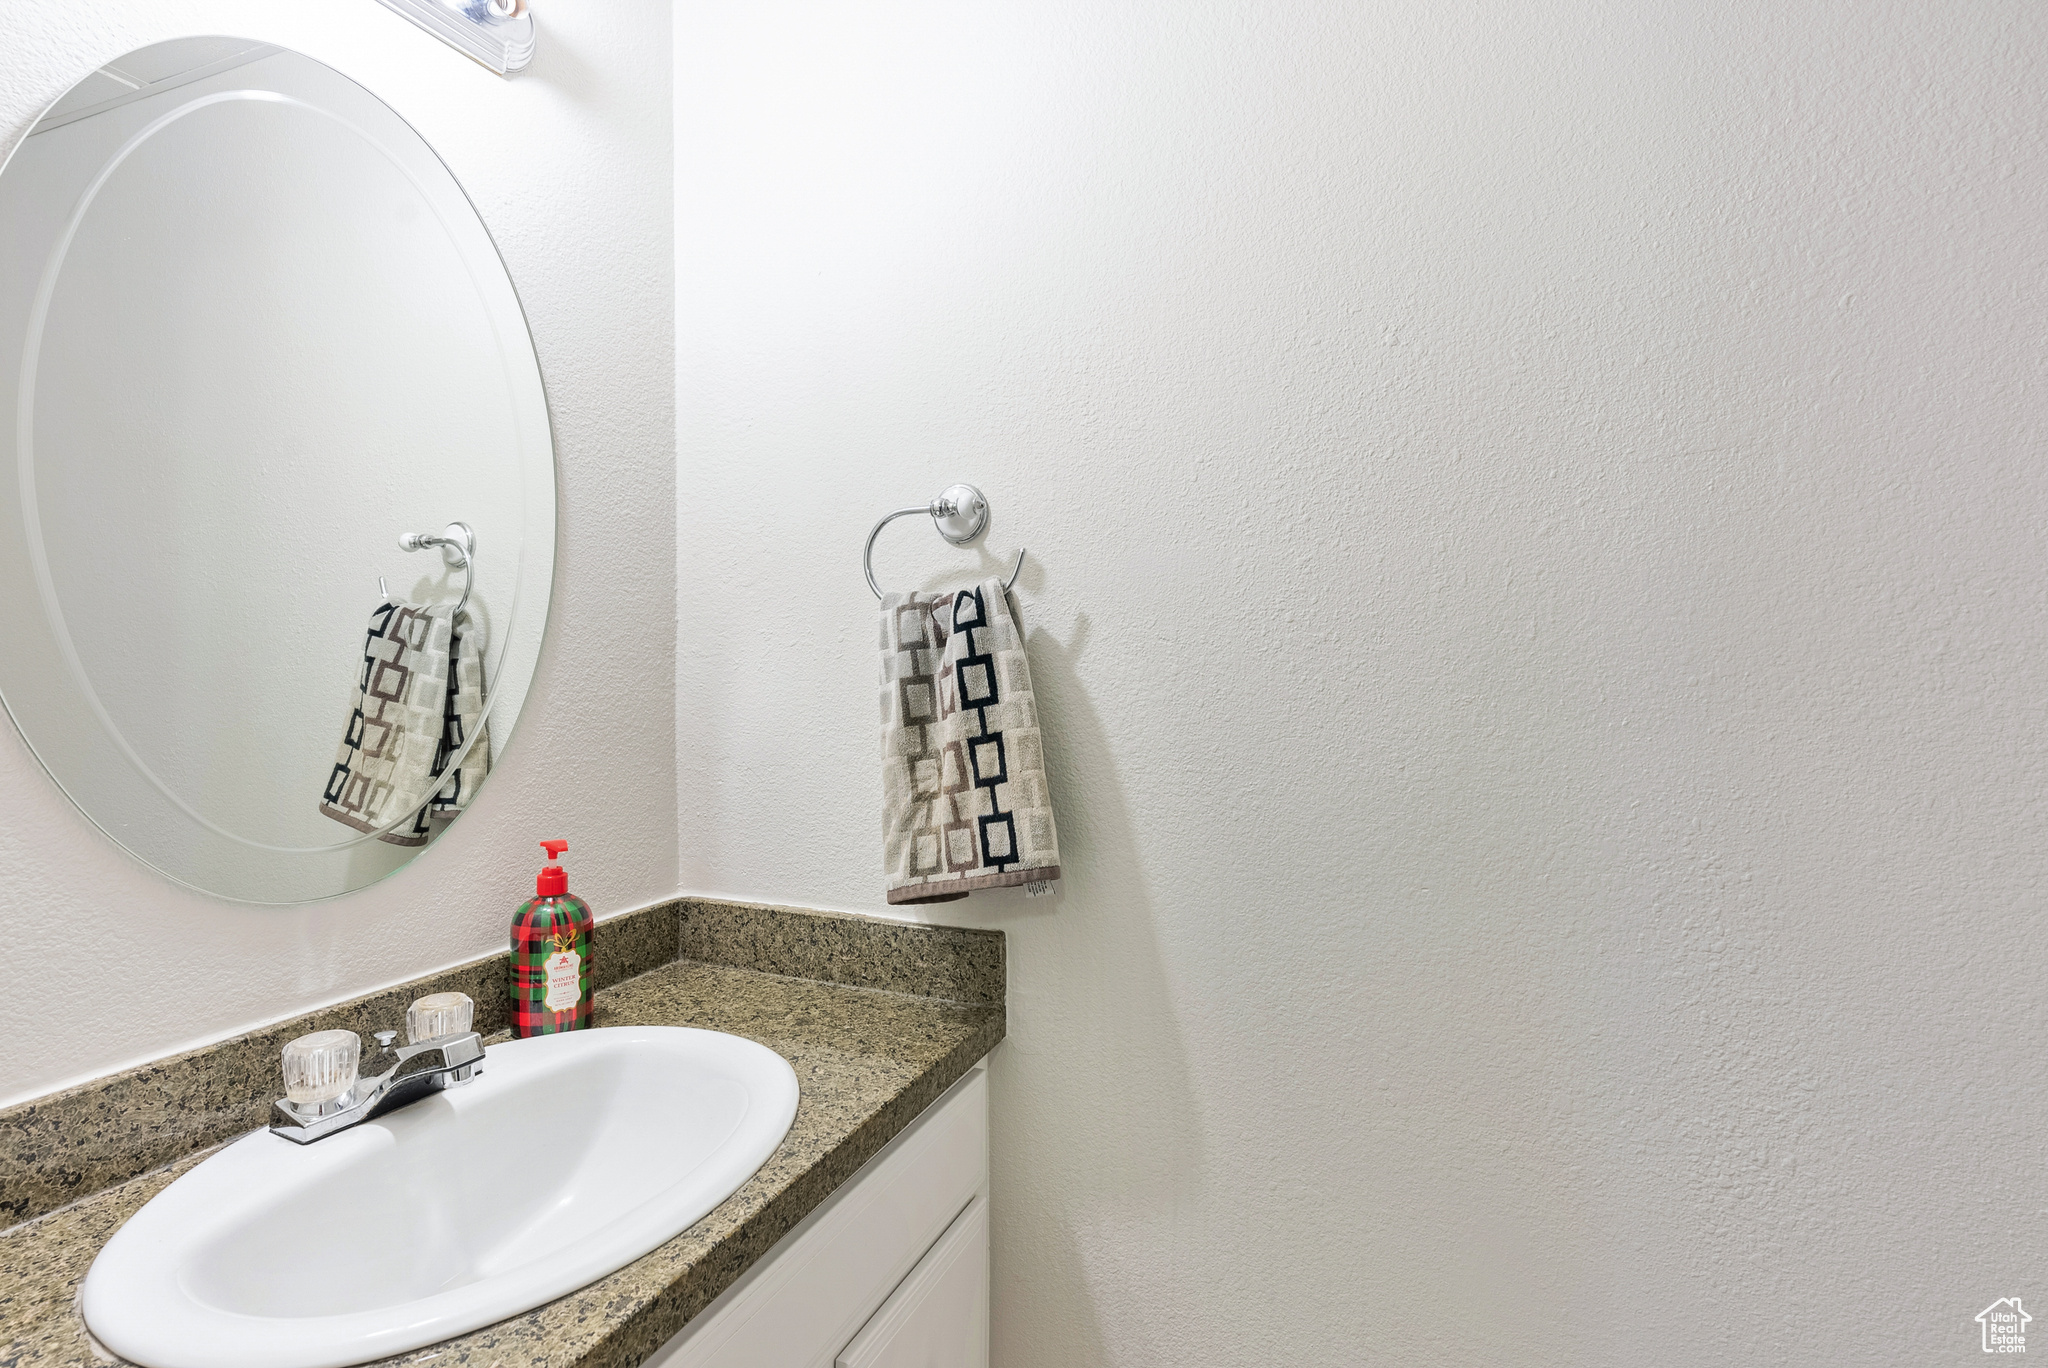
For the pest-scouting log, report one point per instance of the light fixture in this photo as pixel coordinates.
(496, 33)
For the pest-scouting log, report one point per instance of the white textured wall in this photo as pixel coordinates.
(569, 166)
(1537, 600)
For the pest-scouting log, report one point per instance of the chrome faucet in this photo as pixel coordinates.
(324, 1094)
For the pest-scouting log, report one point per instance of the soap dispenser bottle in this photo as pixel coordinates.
(551, 956)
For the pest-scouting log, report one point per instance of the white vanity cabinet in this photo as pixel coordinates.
(891, 1271)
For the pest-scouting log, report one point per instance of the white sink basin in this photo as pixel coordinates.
(567, 1158)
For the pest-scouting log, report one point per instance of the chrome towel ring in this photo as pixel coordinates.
(960, 515)
(458, 537)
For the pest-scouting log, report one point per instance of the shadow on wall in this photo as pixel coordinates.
(1112, 1132)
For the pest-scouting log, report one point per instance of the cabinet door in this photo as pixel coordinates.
(797, 1307)
(938, 1317)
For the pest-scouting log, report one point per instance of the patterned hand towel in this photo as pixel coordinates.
(461, 717)
(964, 799)
(391, 754)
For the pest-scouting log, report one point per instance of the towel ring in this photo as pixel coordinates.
(959, 515)
(458, 537)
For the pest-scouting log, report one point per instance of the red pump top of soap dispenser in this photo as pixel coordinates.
(554, 880)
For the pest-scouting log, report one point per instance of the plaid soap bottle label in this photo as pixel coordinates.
(551, 984)
(564, 971)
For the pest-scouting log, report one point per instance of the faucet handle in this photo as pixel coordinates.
(384, 1038)
(321, 1067)
(437, 1015)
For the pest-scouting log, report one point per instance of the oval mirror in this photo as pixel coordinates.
(252, 334)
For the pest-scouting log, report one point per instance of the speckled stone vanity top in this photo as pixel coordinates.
(877, 1018)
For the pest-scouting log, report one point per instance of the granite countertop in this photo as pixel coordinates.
(868, 1061)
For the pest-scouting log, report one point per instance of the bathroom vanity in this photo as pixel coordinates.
(861, 1241)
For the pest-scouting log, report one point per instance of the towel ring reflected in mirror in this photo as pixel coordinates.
(960, 514)
(458, 537)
